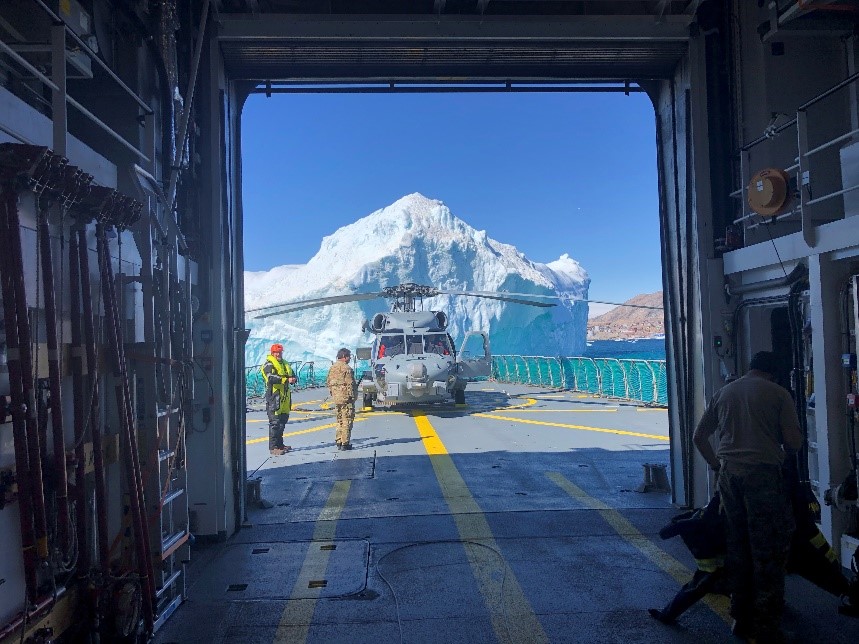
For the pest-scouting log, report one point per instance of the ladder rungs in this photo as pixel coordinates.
(168, 583)
(169, 545)
(172, 496)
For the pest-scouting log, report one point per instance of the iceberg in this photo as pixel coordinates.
(418, 239)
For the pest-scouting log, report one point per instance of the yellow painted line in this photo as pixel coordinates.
(650, 409)
(298, 613)
(624, 528)
(301, 431)
(529, 402)
(541, 411)
(604, 430)
(512, 616)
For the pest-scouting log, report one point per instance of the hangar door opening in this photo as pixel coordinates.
(526, 223)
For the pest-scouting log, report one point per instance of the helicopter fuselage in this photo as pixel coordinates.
(413, 360)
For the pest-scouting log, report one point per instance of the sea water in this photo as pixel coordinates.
(649, 349)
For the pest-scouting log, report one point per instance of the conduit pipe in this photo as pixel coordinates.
(76, 361)
(16, 264)
(25, 617)
(130, 450)
(798, 271)
(55, 388)
(94, 421)
(186, 109)
(19, 431)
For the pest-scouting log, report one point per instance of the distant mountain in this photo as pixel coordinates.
(624, 322)
(417, 239)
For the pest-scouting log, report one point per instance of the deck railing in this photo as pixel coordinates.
(310, 374)
(627, 379)
(638, 380)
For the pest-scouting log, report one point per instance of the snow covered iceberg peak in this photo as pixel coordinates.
(418, 239)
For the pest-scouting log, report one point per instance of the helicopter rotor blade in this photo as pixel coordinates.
(310, 304)
(547, 296)
(290, 303)
(499, 296)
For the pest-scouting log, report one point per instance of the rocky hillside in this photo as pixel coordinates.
(628, 322)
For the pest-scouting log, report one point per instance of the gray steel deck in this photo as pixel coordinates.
(515, 519)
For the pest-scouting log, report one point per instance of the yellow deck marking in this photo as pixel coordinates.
(540, 411)
(301, 431)
(624, 528)
(529, 402)
(513, 619)
(604, 430)
(298, 613)
(650, 409)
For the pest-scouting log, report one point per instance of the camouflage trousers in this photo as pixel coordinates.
(759, 525)
(345, 418)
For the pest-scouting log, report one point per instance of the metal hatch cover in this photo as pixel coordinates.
(269, 571)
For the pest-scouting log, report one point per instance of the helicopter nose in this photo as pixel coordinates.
(417, 371)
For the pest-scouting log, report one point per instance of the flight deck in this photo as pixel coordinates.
(519, 517)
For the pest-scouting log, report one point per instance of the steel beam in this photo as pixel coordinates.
(449, 28)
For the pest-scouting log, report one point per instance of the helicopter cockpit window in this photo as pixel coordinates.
(437, 343)
(415, 343)
(390, 346)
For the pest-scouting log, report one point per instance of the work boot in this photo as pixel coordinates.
(346, 446)
(279, 451)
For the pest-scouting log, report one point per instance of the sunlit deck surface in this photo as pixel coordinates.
(515, 518)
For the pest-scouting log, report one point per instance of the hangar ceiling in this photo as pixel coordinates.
(311, 41)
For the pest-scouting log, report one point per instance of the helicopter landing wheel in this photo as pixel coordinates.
(459, 396)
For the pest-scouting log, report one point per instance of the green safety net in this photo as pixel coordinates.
(628, 379)
(638, 380)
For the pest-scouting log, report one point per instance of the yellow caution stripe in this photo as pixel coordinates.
(298, 613)
(301, 431)
(625, 529)
(513, 619)
(604, 430)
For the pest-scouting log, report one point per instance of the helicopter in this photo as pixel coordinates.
(412, 359)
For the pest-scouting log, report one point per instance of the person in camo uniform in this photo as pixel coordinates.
(754, 421)
(341, 384)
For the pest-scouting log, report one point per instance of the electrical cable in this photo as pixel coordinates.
(766, 225)
(463, 543)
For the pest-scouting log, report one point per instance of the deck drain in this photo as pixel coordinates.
(521, 494)
(234, 588)
(394, 498)
(390, 470)
(331, 546)
(318, 583)
(259, 551)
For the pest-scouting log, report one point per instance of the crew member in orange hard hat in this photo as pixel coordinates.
(278, 375)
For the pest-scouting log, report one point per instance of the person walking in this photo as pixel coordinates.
(278, 376)
(703, 533)
(341, 384)
(754, 422)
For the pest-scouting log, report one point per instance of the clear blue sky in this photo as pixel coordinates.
(549, 173)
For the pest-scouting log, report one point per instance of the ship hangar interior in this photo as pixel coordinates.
(123, 331)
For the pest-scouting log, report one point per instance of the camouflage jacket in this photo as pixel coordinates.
(341, 383)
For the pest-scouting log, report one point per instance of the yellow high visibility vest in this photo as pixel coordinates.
(284, 371)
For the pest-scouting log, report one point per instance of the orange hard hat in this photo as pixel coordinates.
(276, 348)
